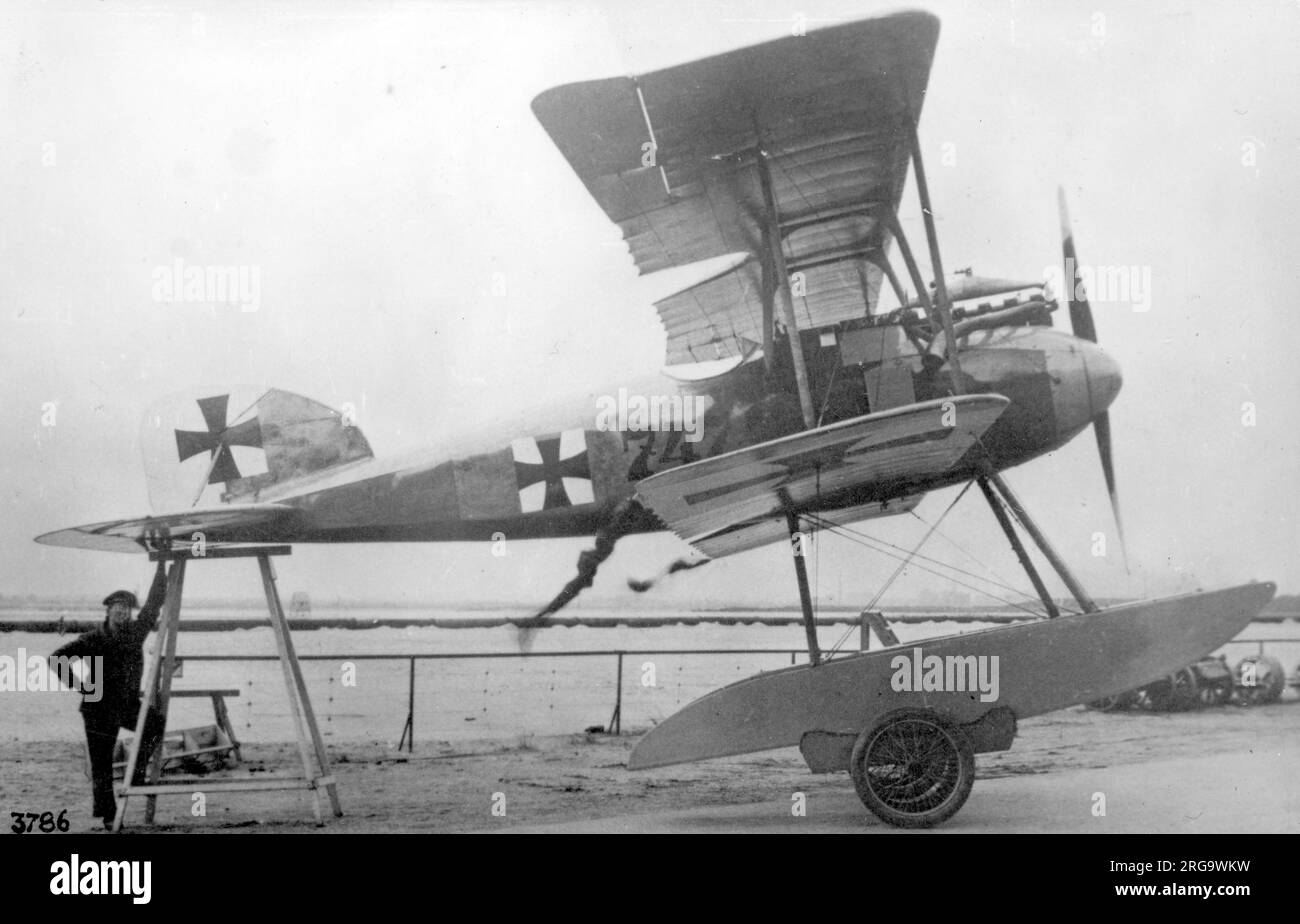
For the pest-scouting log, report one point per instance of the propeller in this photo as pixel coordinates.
(1084, 328)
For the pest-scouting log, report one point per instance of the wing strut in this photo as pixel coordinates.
(890, 217)
(782, 286)
(887, 268)
(940, 287)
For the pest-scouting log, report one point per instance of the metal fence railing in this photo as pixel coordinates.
(617, 656)
(615, 723)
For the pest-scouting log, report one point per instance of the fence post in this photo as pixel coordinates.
(409, 727)
(616, 720)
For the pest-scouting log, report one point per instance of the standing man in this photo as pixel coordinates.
(119, 642)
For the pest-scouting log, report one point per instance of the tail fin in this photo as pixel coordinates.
(227, 444)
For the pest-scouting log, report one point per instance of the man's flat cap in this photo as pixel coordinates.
(121, 596)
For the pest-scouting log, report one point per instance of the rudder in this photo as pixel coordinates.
(195, 452)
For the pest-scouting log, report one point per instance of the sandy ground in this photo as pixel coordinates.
(569, 780)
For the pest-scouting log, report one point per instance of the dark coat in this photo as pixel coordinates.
(123, 664)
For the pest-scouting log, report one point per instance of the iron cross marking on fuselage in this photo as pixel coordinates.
(552, 470)
(218, 439)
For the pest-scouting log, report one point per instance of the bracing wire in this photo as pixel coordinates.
(997, 580)
(867, 541)
(941, 564)
(999, 583)
(901, 566)
(876, 545)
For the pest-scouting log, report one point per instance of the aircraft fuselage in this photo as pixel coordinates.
(562, 475)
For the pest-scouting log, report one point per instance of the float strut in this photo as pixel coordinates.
(805, 596)
(1025, 562)
(1040, 540)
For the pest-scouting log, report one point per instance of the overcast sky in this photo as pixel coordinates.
(381, 169)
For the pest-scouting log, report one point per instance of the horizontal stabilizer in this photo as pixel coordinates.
(140, 534)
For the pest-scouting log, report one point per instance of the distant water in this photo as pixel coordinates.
(494, 697)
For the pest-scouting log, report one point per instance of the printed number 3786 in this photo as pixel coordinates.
(45, 822)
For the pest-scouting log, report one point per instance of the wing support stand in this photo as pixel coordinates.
(801, 575)
(157, 692)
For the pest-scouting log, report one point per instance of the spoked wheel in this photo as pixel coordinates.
(1176, 693)
(1115, 703)
(1216, 693)
(1260, 679)
(913, 769)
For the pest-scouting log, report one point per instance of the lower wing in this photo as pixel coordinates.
(869, 466)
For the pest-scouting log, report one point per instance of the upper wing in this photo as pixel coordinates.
(144, 533)
(868, 466)
(834, 110)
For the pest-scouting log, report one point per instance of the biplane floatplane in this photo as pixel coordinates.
(780, 168)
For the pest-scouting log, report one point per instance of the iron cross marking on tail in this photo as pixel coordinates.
(218, 439)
